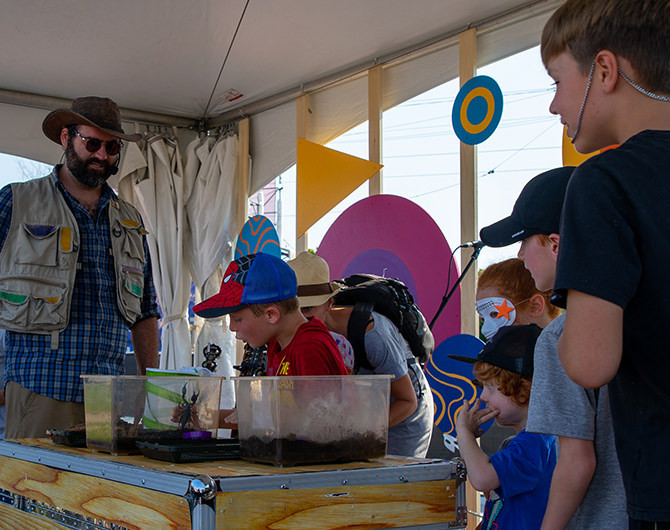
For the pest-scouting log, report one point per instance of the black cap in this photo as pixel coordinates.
(536, 211)
(511, 348)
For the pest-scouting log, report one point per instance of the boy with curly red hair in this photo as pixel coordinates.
(516, 479)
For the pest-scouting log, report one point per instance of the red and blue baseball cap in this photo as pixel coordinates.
(251, 279)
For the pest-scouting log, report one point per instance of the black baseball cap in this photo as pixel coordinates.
(536, 211)
(511, 348)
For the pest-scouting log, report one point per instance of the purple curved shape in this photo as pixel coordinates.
(382, 263)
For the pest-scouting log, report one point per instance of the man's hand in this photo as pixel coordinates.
(471, 418)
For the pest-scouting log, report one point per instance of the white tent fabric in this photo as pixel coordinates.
(214, 222)
(153, 170)
(342, 106)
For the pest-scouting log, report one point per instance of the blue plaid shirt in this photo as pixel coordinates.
(95, 340)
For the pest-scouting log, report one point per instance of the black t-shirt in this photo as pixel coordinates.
(615, 244)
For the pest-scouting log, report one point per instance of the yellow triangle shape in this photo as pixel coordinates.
(324, 178)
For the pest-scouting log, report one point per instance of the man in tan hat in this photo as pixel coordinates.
(75, 274)
(315, 294)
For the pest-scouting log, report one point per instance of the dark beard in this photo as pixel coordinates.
(81, 170)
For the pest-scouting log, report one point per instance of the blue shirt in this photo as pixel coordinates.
(95, 339)
(525, 468)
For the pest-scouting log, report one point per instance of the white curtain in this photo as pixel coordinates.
(211, 191)
(152, 179)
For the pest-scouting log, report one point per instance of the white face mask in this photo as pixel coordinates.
(496, 313)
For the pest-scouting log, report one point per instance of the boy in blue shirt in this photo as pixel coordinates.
(516, 479)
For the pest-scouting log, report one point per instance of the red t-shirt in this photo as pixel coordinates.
(312, 351)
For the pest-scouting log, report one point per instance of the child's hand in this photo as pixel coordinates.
(228, 418)
(471, 418)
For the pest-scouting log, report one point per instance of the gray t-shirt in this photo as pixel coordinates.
(388, 352)
(560, 407)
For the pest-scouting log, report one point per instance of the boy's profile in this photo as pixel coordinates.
(611, 65)
(586, 489)
(258, 292)
(517, 478)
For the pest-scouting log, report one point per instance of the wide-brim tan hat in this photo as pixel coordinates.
(313, 275)
(98, 112)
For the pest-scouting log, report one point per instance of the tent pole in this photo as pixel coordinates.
(301, 129)
(375, 116)
(467, 68)
(26, 99)
(242, 197)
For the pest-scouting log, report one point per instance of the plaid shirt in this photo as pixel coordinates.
(95, 340)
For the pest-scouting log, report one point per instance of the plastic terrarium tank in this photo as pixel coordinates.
(123, 409)
(312, 419)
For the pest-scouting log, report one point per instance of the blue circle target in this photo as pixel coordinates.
(477, 110)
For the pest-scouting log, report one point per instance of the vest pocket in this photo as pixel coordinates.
(37, 245)
(29, 312)
(133, 289)
(131, 243)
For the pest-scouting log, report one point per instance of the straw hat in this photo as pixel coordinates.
(102, 113)
(313, 274)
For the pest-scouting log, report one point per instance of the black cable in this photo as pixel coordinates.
(449, 293)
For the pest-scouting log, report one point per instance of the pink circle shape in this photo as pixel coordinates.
(400, 227)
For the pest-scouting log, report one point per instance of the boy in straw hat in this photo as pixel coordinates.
(315, 294)
(411, 410)
(75, 274)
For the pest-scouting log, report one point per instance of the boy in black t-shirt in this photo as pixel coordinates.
(611, 65)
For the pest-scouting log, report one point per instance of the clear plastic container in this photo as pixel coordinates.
(123, 409)
(312, 419)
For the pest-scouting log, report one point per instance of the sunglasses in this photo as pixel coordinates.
(112, 147)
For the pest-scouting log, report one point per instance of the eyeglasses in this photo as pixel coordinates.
(112, 147)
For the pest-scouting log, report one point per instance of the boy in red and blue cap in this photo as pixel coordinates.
(258, 292)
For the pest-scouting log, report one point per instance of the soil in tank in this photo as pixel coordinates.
(292, 451)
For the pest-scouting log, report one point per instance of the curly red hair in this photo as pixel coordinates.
(510, 384)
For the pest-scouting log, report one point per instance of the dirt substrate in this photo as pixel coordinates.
(292, 451)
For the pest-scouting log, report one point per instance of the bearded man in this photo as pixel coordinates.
(75, 274)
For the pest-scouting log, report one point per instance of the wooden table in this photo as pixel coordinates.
(42, 483)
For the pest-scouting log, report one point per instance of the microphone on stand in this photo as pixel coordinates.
(474, 244)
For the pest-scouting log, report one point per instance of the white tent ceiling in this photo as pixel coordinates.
(177, 62)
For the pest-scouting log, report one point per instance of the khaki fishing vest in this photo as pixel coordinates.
(38, 261)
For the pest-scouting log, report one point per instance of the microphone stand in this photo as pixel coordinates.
(447, 297)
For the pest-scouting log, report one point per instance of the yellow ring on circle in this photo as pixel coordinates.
(472, 128)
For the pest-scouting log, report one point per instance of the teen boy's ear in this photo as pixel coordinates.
(607, 64)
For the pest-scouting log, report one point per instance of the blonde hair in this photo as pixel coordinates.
(637, 30)
(511, 278)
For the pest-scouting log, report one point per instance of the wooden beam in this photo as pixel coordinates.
(242, 199)
(467, 68)
(243, 169)
(467, 65)
(301, 130)
(375, 113)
